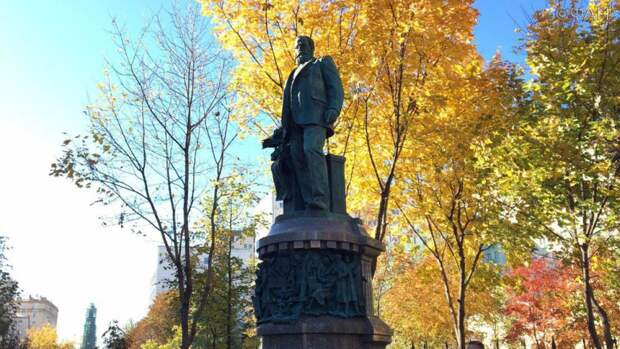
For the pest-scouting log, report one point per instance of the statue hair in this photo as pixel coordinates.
(309, 40)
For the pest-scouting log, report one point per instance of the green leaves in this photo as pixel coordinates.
(555, 171)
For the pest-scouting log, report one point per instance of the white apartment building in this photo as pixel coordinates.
(243, 248)
(35, 312)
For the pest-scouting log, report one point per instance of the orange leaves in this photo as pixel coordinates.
(415, 306)
(157, 325)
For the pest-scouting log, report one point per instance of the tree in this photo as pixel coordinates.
(225, 320)
(9, 297)
(158, 324)
(393, 56)
(172, 343)
(417, 98)
(606, 279)
(539, 303)
(230, 314)
(45, 337)
(414, 305)
(557, 170)
(160, 138)
(114, 337)
(447, 206)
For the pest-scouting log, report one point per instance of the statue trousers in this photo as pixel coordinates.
(307, 144)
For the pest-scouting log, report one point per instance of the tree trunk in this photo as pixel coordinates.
(460, 320)
(536, 337)
(609, 339)
(183, 311)
(229, 294)
(381, 221)
(588, 295)
(461, 313)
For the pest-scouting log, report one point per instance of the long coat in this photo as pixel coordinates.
(309, 93)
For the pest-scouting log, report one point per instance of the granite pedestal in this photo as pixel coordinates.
(314, 286)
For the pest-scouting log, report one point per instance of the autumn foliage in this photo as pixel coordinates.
(454, 152)
(539, 303)
(449, 156)
(395, 72)
(157, 325)
(45, 337)
(415, 306)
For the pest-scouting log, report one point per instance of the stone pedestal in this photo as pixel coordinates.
(326, 332)
(314, 285)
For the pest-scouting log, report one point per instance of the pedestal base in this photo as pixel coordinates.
(326, 332)
(314, 284)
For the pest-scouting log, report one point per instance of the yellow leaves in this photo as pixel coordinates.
(600, 12)
(45, 337)
(415, 288)
(445, 96)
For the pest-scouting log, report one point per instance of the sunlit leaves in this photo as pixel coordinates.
(45, 337)
(556, 171)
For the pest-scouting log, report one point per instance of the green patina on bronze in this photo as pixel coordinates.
(309, 282)
(311, 103)
(314, 286)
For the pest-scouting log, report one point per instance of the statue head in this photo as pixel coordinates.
(304, 49)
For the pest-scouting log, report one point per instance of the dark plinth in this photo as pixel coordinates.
(314, 287)
(325, 332)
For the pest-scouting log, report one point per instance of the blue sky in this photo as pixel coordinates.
(497, 22)
(51, 57)
(52, 53)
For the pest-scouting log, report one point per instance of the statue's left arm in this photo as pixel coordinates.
(333, 86)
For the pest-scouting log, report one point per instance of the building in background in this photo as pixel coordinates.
(495, 254)
(89, 339)
(35, 312)
(243, 248)
(277, 208)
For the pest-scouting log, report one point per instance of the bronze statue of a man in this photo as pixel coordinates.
(311, 103)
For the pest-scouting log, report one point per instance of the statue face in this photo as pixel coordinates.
(303, 50)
